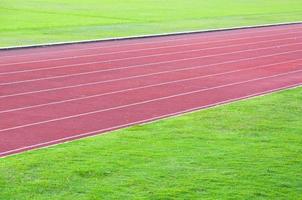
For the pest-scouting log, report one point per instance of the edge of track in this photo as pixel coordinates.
(249, 97)
(148, 36)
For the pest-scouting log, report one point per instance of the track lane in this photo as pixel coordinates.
(37, 115)
(26, 75)
(172, 91)
(49, 85)
(108, 66)
(145, 81)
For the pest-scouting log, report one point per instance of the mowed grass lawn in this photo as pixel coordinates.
(38, 21)
(246, 150)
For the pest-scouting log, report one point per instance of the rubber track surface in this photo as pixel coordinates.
(56, 94)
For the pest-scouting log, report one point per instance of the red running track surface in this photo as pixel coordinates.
(61, 93)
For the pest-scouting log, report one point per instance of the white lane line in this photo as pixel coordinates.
(154, 42)
(128, 58)
(144, 102)
(102, 70)
(105, 131)
(100, 82)
(150, 56)
(131, 51)
(150, 86)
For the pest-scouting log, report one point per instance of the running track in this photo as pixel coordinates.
(56, 94)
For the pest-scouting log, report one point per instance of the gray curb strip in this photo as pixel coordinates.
(148, 36)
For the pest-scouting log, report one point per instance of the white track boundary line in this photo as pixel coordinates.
(142, 122)
(145, 102)
(181, 33)
(101, 82)
(98, 71)
(143, 49)
(150, 86)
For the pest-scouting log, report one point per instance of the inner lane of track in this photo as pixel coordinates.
(48, 98)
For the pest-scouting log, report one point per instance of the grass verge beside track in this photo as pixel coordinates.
(246, 150)
(31, 22)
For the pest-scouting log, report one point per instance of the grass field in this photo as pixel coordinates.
(246, 150)
(36, 21)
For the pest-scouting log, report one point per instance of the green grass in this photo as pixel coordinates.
(246, 150)
(40, 21)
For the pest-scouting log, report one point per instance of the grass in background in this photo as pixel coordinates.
(246, 150)
(37, 21)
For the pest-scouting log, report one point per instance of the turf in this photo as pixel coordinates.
(246, 150)
(36, 21)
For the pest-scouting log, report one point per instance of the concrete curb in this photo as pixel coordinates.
(148, 36)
